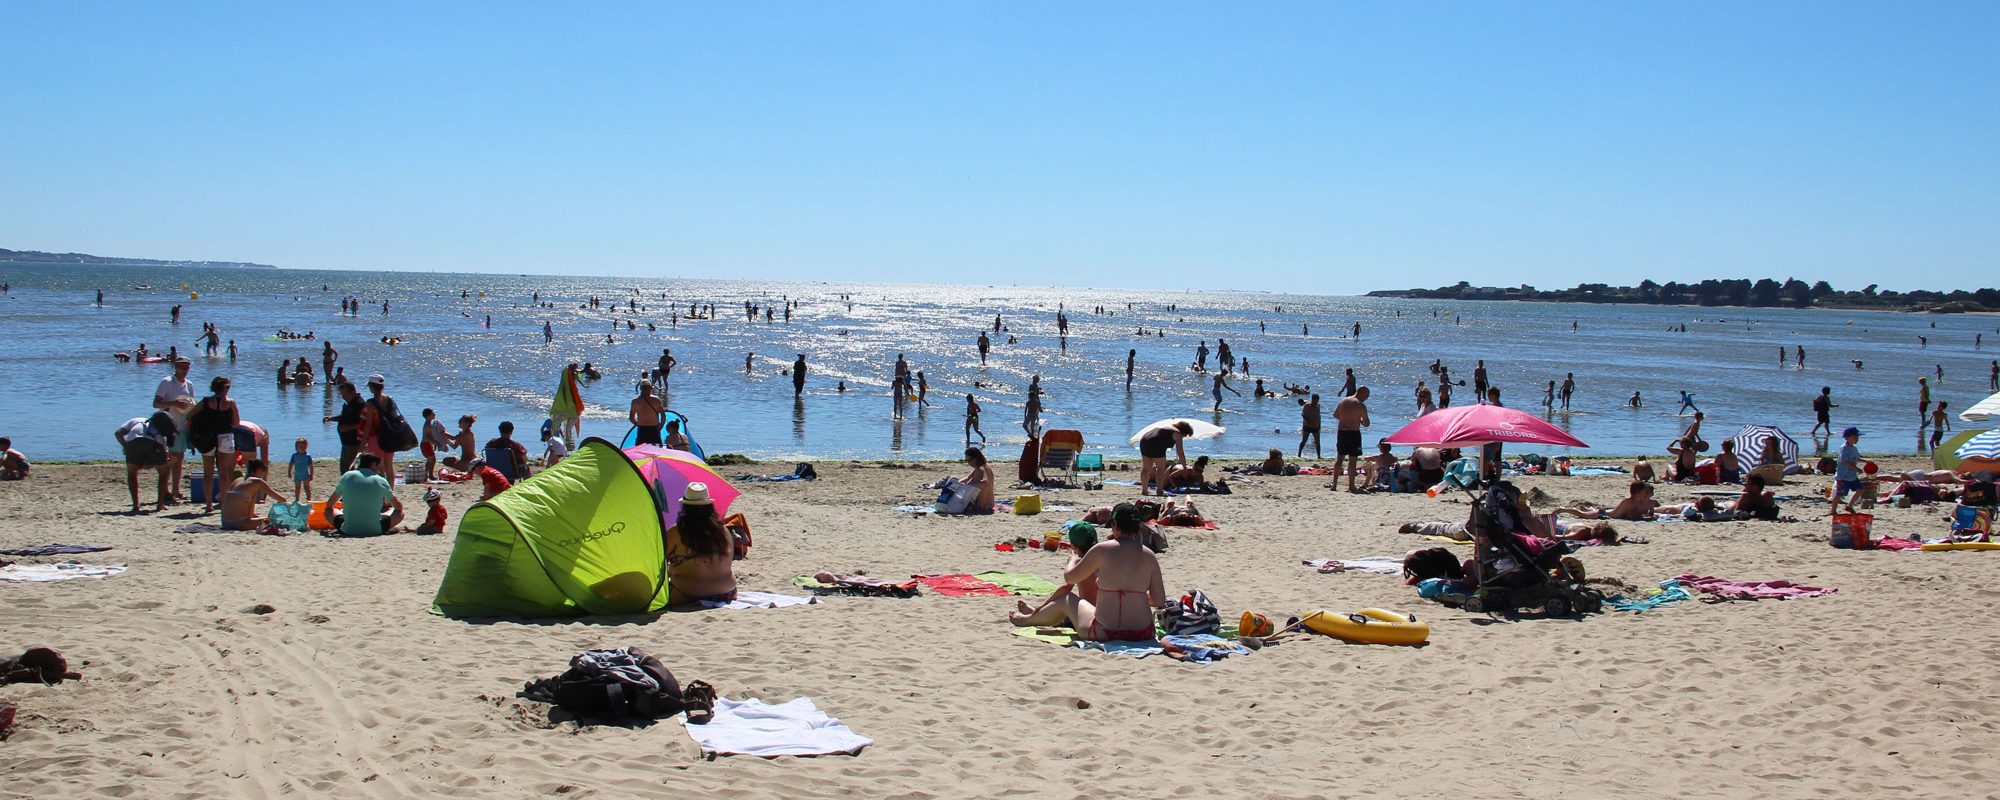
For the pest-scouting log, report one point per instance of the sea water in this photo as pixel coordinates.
(64, 393)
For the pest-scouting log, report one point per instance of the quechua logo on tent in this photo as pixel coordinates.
(615, 527)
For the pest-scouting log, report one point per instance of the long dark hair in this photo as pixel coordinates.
(701, 531)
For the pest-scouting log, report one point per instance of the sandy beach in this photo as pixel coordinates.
(350, 688)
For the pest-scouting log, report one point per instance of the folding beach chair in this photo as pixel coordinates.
(501, 459)
(1059, 451)
(1090, 466)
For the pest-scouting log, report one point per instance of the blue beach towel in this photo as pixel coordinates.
(1671, 593)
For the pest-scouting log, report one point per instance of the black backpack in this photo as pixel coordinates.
(627, 683)
(392, 433)
(1432, 562)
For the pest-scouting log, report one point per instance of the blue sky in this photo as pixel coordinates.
(1320, 147)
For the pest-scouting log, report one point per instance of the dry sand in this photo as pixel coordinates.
(352, 689)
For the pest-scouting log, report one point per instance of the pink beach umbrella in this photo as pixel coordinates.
(1468, 426)
(670, 471)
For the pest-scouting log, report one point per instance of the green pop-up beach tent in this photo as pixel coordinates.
(582, 537)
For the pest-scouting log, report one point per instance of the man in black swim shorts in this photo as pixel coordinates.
(1350, 416)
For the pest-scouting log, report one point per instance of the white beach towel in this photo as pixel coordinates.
(1374, 565)
(746, 599)
(68, 570)
(756, 728)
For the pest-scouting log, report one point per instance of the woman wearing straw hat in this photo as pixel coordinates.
(700, 554)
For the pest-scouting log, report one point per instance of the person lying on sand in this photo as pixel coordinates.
(1181, 513)
(1129, 587)
(239, 501)
(1638, 506)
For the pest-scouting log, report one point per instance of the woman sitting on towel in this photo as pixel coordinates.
(700, 554)
(981, 478)
(1129, 587)
(239, 503)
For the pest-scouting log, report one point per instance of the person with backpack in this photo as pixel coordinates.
(1823, 406)
(212, 431)
(384, 431)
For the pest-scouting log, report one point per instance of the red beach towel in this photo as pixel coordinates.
(962, 585)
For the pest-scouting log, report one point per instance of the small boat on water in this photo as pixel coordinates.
(143, 287)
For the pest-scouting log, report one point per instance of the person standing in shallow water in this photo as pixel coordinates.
(799, 376)
(1309, 420)
(1131, 359)
(972, 420)
(1221, 382)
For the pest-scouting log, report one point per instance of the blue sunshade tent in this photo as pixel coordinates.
(669, 415)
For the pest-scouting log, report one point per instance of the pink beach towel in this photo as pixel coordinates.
(1895, 544)
(962, 585)
(1722, 589)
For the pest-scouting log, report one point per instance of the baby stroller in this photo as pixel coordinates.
(1508, 575)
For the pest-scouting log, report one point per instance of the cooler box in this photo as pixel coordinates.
(198, 487)
(1708, 474)
(1028, 504)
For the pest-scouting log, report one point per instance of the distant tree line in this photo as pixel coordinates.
(1764, 292)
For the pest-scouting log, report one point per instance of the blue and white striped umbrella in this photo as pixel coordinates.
(1985, 445)
(1750, 445)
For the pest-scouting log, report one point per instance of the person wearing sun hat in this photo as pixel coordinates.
(435, 519)
(700, 554)
(1847, 471)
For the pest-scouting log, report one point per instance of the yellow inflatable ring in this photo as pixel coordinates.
(1939, 546)
(1370, 626)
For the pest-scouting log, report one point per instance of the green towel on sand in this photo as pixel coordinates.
(1019, 583)
(1061, 637)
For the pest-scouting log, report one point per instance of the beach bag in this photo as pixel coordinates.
(1850, 531)
(393, 433)
(623, 683)
(739, 535)
(206, 425)
(955, 497)
(1191, 614)
(291, 516)
(1431, 562)
(805, 472)
(1971, 521)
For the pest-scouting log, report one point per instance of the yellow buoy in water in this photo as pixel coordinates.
(184, 286)
(194, 295)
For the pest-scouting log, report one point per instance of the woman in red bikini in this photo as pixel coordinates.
(1129, 587)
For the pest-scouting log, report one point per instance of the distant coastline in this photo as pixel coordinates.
(42, 257)
(1742, 293)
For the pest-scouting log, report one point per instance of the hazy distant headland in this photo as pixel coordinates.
(40, 257)
(1765, 293)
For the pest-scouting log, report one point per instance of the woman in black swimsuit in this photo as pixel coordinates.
(1153, 447)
